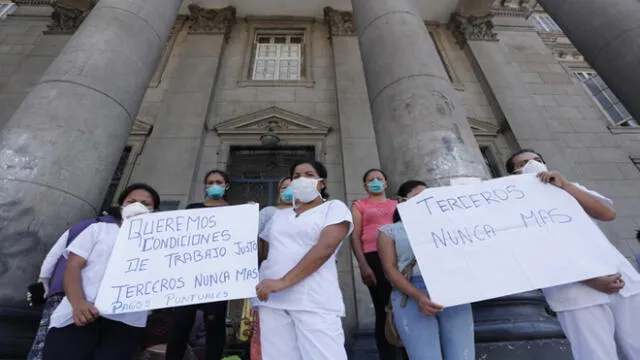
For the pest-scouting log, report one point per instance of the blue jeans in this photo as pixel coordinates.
(447, 335)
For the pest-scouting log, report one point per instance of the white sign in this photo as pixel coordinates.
(502, 237)
(177, 258)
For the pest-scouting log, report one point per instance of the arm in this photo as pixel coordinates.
(77, 254)
(72, 279)
(49, 262)
(83, 311)
(264, 217)
(263, 251)
(388, 256)
(330, 238)
(356, 245)
(607, 284)
(592, 205)
(368, 277)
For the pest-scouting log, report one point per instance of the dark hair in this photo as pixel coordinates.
(403, 191)
(364, 177)
(224, 174)
(510, 166)
(282, 181)
(319, 168)
(638, 235)
(140, 186)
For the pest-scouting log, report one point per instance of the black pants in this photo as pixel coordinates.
(215, 315)
(380, 297)
(102, 339)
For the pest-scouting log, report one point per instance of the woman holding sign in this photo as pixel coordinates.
(301, 299)
(216, 183)
(369, 214)
(428, 331)
(77, 330)
(598, 316)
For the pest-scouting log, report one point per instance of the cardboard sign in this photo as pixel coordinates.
(501, 237)
(178, 258)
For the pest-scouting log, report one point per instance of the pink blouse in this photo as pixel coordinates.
(373, 215)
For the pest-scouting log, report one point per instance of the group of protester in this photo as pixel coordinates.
(299, 302)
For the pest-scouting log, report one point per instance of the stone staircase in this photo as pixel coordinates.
(363, 347)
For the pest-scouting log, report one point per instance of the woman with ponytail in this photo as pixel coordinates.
(428, 331)
(216, 183)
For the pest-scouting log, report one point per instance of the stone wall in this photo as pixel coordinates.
(232, 99)
(25, 54)
(598, 154)
(177, 107)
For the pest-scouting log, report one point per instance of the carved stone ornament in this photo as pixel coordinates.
(472, 28)
(33, 3)
(340, 23)
(510, 12)
(283, 121)
(211, 21)
(68, 15)
(513, 8)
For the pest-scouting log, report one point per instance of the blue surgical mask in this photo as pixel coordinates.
(215, 191)
(375, 186)
(287, 195)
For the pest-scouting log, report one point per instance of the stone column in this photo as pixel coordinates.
(420, 126)
(60, 148)
(607, 34)
(359, 151)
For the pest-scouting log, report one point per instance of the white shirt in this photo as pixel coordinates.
(290, 238)
(265, 216)
(50, 261)
(94, 244)
(578, 295)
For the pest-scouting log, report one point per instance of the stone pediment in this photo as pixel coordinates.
(283, 122)
(483, 128)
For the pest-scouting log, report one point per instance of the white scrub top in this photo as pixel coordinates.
(290, 238)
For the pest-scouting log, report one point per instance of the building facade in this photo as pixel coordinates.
(252, 86)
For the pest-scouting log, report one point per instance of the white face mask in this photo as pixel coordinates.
(533, 167)
(305, 189)
(134, 209)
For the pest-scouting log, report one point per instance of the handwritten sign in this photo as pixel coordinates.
(501, 237)
(177, 258)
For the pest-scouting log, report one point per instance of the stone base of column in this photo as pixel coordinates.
(512, 327)
(363, 346)
(518, 327)
(18, 327)
(556, 349)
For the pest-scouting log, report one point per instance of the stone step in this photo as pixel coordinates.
(363, 347)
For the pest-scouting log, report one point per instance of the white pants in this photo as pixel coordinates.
(300, 335)
(596, 332)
